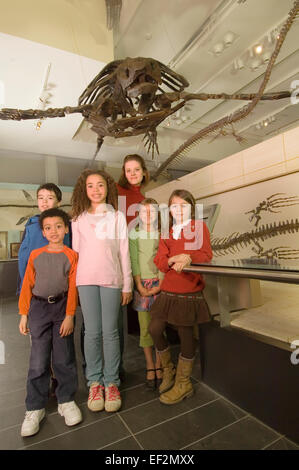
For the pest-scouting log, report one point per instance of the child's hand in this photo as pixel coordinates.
(23, 325)
(67, 326)
(182, 258)
(126, 297)
(179, 266)
(143, 291)
(154, 290)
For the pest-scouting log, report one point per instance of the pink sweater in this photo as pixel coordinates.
(103, 248)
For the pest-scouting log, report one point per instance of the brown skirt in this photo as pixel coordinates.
(181, 309)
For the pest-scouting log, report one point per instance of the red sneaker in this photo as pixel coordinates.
(112, 398)
(96, 397)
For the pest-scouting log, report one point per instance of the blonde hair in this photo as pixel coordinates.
(149, 201)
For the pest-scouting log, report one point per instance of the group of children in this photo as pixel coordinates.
(109, 247)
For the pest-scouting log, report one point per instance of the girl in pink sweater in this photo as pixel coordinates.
(104, 281)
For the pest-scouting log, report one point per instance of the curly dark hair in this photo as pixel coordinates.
(81, 203)
(55, 212)
(123, 182)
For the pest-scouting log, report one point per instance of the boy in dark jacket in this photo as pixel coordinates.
(48, 197)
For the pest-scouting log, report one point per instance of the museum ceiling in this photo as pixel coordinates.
(53, 49)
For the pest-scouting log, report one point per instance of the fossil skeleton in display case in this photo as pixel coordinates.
(237, 241)
(277, 253)
(128, 98)
(276, 201)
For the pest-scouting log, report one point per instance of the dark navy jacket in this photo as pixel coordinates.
(32, 239)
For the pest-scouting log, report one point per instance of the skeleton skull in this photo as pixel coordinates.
(139, 76)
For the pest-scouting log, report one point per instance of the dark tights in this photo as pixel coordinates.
(156, 329)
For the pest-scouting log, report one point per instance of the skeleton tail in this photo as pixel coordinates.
(23, 114)
(241, 113)
(237, 241)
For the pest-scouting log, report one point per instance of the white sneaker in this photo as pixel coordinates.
(31, 422)
(112, 398)
(71, 412)
(96, 397)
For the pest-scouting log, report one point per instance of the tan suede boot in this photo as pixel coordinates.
(168, 370)
(183, 387)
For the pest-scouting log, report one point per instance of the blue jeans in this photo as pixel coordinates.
(122, 313)
(100, 309)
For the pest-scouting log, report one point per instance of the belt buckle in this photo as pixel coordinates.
(51, 299)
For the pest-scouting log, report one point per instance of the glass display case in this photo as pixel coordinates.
(260, 297)
(253, 268)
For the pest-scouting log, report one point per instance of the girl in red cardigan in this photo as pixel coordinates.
(181, 302)
(133, 177)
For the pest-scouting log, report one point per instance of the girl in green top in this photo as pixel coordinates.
(144, 241)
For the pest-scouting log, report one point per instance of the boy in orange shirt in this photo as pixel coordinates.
(48, 300)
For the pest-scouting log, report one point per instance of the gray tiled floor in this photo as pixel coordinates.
(204, 421)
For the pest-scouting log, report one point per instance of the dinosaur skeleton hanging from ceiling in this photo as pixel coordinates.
(128, 98)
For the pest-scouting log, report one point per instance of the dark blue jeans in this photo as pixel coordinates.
(44, 323)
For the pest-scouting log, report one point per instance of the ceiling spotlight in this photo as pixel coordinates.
(229, 38)
(240, 63)
(269, 37)
(258, 49)
(265, 123)
(266, 57)
(44, 96)
(254, 64)
(275, 33)
(38, 125)
(218, 48)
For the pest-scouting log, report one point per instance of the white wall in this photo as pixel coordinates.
(270, 159)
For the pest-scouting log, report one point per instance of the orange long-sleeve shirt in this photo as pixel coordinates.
(50, 273)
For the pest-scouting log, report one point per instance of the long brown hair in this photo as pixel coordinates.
(81, 203)
(137, 158)
(183, 194)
